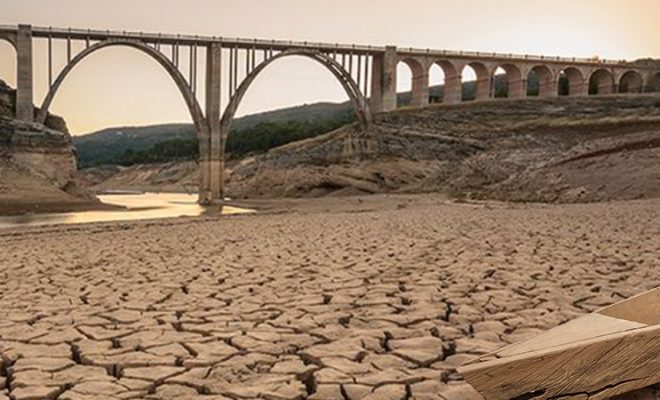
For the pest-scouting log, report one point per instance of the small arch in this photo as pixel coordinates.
(571, 82)
(653, 83)
(479, 88)
(358, 101)
(601, 81)
(507, 81)
(418, 83)
(191, 102)
(541, 82)
(631, 82)
(8, 70)
(444, 75)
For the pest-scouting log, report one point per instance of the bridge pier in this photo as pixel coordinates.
(24, 81)
(212, 151)
(383, 81)
(517, 89)
(453, 90)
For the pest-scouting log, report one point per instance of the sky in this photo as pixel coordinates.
(120, 87)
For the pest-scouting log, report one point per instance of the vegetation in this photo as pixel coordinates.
(254, 139)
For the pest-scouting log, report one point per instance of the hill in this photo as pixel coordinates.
(115, 146)
(547, 150)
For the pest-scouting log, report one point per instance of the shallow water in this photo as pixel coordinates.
(138, 206)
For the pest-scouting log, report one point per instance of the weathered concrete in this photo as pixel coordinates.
(24, 93)
(388, 80)
(214, 186)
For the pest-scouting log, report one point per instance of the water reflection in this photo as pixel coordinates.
(137, 207)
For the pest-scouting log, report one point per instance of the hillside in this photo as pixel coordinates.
(109, 146)
(548, 150)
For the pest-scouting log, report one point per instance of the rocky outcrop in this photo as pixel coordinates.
(37, 164)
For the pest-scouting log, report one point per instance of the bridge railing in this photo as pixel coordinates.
(91, 34)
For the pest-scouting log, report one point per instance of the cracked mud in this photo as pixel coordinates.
(379, 298)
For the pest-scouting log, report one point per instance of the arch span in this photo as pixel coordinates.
(193, 106)
(601, 81)
(545, 79)
(514, 85)
(358, 101)
(574, 83)
(482, 83)
(453, 86)
(419, 85)
(11, 67)
(631, 82)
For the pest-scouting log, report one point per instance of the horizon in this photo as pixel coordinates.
(123, 87)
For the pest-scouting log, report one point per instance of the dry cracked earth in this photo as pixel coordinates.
(350, 299)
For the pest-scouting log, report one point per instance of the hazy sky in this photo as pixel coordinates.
(123, 87)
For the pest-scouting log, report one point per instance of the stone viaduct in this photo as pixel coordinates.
(368, 74)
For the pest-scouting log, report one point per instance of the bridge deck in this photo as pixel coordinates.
(191, 40)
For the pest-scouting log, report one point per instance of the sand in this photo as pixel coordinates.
(344, 298)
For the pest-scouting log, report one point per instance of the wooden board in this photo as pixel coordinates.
(611, 352)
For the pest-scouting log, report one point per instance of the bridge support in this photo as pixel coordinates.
(383, 82)
(24, 81)
(548, 88)
(517, 89)
(420, 88)
(212, 152)
(453, 90)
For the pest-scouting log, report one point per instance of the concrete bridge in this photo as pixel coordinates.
(368, 74)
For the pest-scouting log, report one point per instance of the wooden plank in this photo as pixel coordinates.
(595, 368)
(588, 327)
(644, 308)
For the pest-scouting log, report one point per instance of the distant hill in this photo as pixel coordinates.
(109, 145)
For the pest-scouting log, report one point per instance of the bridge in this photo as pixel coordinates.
(368, 74)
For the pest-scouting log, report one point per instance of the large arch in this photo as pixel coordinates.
(419, 85)
(601, 81)
(574, 82)
(11, 48)
(631, 82)
(358, 101)
(452, 89)
(514, 87)
(544, 82)
(482, 83)
(180, 81)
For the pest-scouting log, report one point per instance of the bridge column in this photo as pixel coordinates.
(383, 81)
(579, 88)
(548, 88)
(484, 89)
(453, 89)
(24, 80)
(517, 89)
(213, 161)
(420, 87)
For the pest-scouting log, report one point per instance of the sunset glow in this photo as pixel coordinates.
(133, 90)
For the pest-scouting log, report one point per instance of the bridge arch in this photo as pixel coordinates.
(513, 81)
(482, 81)
(11, 48)
(452, 82)
(545, 79)
(631, 82)
(180, 81)
(574, 82)
(419, 81)
(358, 101)
(601, 81)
